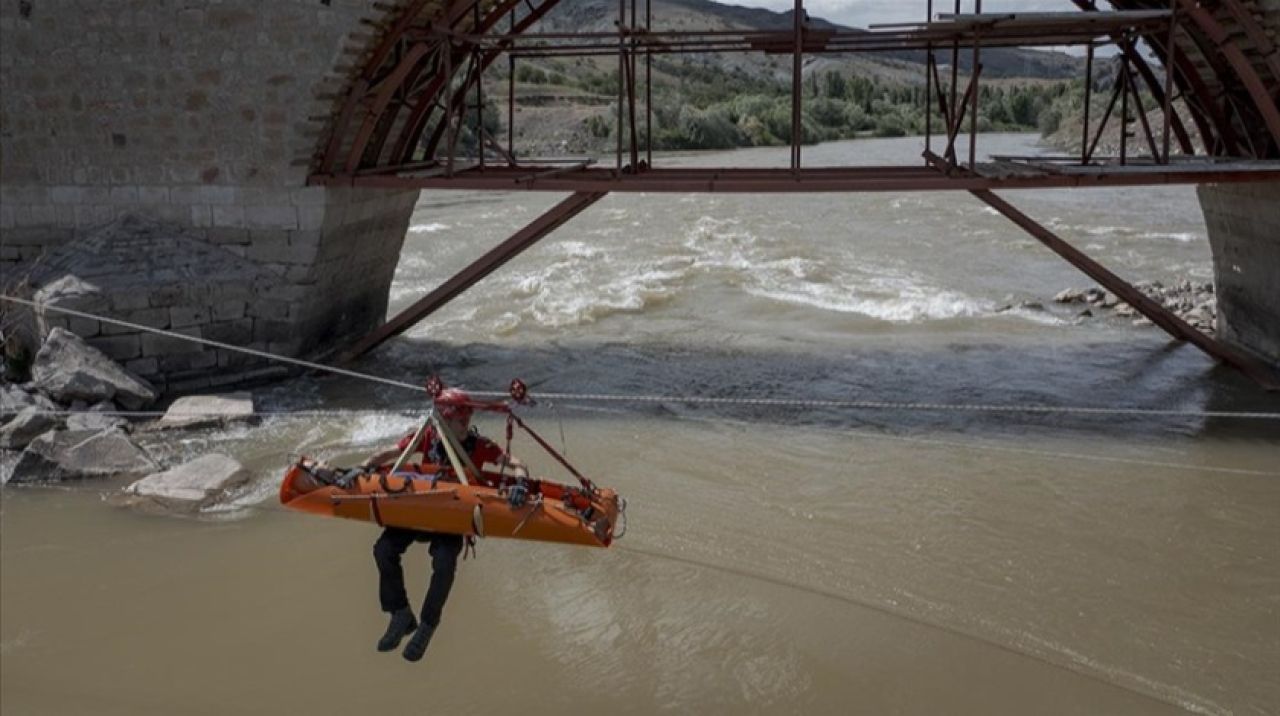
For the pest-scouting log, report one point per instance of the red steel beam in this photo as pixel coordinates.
(1156, 313)
(494, 259)
(784, 180)
(1153, 85)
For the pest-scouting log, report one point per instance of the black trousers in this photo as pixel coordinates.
(444, 552)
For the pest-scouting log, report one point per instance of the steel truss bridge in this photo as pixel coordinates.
(1211, 67)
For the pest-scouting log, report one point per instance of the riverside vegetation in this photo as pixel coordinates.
(727, 101)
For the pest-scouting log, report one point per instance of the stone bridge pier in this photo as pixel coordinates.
(201, 116)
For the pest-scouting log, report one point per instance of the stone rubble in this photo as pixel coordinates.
(97, 417)
(14, 398)
(187, 487)
(1193, 302)
(48, 430)
(81, 454)
(199, 411)
(68, 369)
(63, 424)
(26, 426)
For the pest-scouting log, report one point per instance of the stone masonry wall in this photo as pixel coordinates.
(1244, 235)
(195, 113)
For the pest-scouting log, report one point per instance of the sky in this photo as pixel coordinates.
(860, 13)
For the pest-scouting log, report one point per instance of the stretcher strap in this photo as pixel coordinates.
(458, 457)
(590, 486)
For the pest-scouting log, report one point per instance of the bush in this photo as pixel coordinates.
(890, 125)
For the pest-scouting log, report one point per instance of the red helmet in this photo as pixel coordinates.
(454, 404)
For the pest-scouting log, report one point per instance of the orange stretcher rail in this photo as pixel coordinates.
(541, 510)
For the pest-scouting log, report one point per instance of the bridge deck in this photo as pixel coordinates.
(999, 174)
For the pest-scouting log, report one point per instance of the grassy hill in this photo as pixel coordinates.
(719, 101)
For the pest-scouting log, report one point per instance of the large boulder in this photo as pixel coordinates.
(195, 411)
(26, 426)
(69, 369)
(73, 293)
(187, 487)
(8, 459)
(14, 399)
(81, 454)
(97, 418)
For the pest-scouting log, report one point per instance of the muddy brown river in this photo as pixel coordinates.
(777, 560)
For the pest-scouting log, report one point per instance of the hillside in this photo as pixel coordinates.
(718, 101)
(600, 15)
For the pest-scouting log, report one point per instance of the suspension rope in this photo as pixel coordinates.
(216, 344)
(890, 405)
(692, 399)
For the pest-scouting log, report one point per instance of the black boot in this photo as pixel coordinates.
(402, 622)
(417, 645)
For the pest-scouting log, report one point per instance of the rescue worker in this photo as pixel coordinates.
(454, 409)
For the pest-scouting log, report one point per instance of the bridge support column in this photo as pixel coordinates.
(1244, 235)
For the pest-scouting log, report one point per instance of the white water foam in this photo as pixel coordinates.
(910, 306)
(428, 228)
(1180, 237)
(827, 283)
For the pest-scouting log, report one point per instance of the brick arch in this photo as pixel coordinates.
(395, 95)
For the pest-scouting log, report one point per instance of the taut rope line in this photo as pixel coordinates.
(688, 399)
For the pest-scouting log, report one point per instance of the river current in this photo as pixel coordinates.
(777, 560)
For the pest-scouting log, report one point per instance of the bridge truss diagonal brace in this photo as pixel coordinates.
(491, 261)
(1148, 307)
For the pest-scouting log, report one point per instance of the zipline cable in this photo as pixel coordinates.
(687, 399)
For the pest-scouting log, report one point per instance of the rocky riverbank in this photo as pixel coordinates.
(72, 422)
(1191, 301)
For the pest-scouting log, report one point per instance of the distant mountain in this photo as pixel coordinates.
(600, 16)
(724, 100)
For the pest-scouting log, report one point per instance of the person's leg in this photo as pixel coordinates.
(387, 552)
(444, 563)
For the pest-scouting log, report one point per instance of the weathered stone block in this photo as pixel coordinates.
(143, 366)
(65, 455)
(285, 348)
(201, 216)
(84, 327)
(237, 332)
(269, 309)
(166, 296)
(124, 195)
(224, 235)
(153, 194)
(150, 317)
(69, 369)
(178, 362)
(271, 217)
(237, 359)
(229, 217)
(27, 425)
(183, 316)
(158, 345)
(270, 249)
(311, 217)
(229, 310)
(205, 410)
(187, 487)
(130, 300)
(119, 348)
(287, 292)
